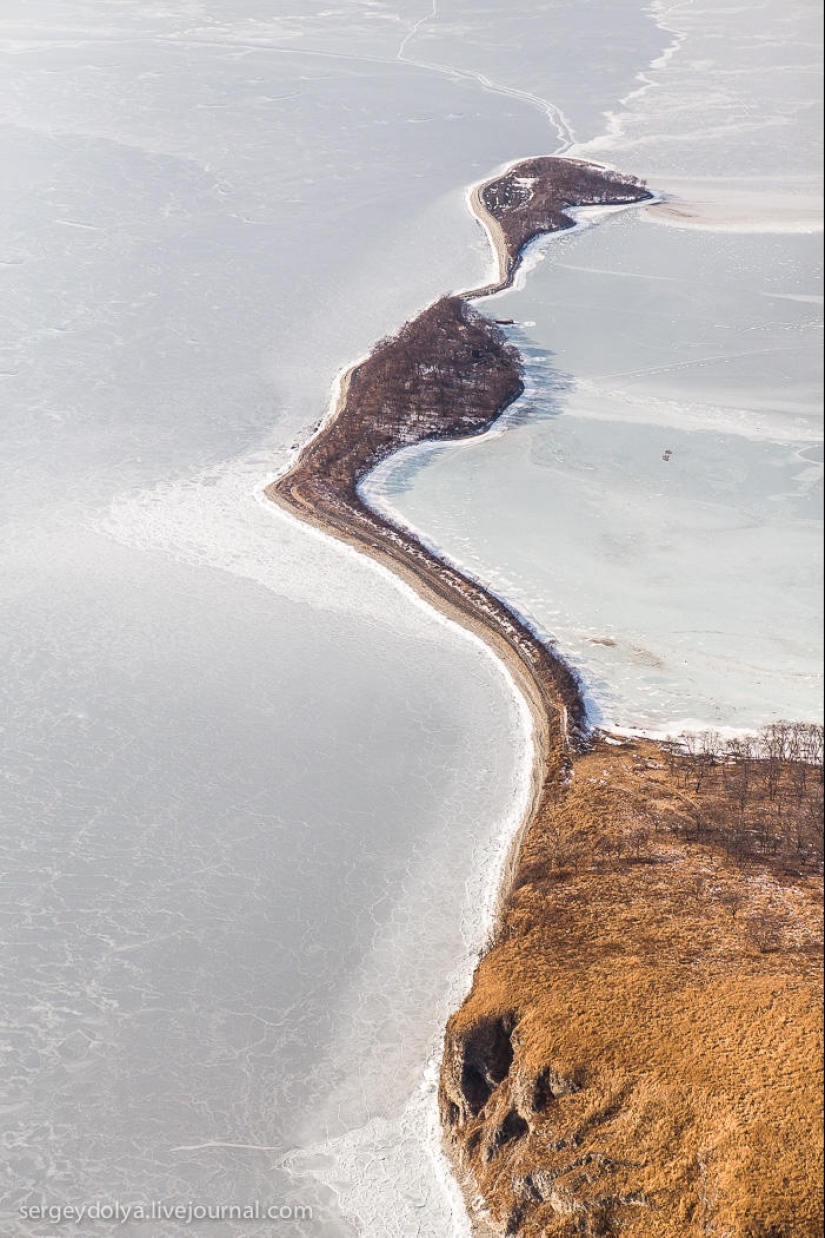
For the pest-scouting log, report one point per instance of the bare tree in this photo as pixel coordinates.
(732, 899)
(638, 841)
(764, 929)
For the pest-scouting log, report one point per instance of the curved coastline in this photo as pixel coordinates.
(495, 233)
(549, 688)
(548, 685)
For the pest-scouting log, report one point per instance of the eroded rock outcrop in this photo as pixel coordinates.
(475, 1065)
(496, 1112)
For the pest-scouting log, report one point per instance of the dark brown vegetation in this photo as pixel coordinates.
(640, 1054)
(448, 373)
(534, 196)
(757, 797)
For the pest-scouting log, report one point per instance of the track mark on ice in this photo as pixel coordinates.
(554, 114)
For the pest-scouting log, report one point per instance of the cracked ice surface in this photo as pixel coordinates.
(255, 796)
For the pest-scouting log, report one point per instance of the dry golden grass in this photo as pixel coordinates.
(666, 1070)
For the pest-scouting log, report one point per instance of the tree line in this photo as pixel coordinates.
(758, 795)
(449, 372)
(533, 197)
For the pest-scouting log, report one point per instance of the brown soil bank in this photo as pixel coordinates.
(641, 1051)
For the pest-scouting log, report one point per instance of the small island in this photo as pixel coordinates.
(640, 1051)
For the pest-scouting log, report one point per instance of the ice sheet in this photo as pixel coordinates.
(655, 505)
(214, 818)
(685, 591)
(256, 800)
(728, 120)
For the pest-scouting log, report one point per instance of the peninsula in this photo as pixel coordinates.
(450, 373)
(638, 1053)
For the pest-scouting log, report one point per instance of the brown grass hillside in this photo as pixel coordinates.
(641, 1051)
